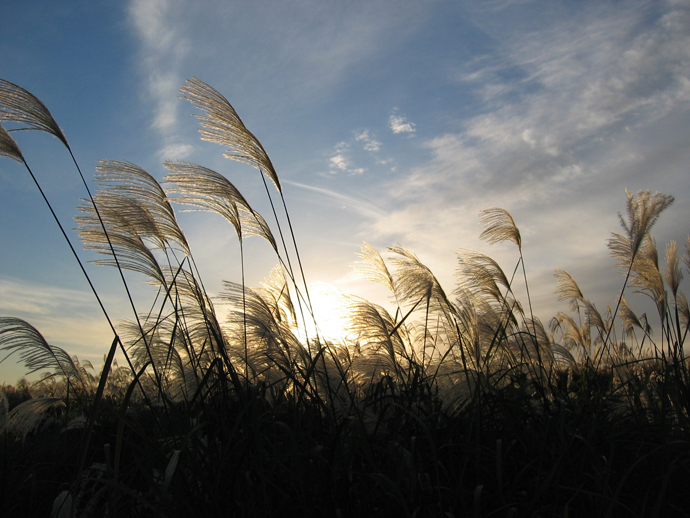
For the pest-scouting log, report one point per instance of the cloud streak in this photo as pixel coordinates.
(67, 318)
(162, 52)
(362, 207)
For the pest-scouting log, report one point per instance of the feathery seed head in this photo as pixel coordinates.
(643, 211)
(8, 147)
(205, 189)
(629, 319)
(499, 226)
(683, 309)
(593, 317)
(18, 105)
(572, 334)
(29, 416)
(123, 233)
(480, 274)
(136, 199)
(414, 280)
(372, 267)
(645, 273)
(673, 275)
(221, 124)
(568, 289)
(208, 190)
(17, 335)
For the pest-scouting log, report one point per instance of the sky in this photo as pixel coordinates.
(388, 121)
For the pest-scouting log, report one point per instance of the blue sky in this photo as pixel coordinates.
(388, 121)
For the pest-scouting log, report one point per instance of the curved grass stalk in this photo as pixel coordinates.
(20, 106)
(221, 124)
(643, 212)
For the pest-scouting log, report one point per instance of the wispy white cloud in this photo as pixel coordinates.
(148, 17)
(175, 151)
(162, 51)
(340, 161)
(399, 124)
(20, 297)
(369, 143)
(310, 47)
(588, 72)
(349, 152)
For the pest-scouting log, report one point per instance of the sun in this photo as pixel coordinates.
(329, 304)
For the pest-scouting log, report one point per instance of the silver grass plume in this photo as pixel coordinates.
(572, 334)
(457, 383)
(673, 275)
(8, 147)
(629, 320)
(562, 354)
(190, 292)
(122, 240)
(477, 321)
(136, 213)
(378, 345)
(499, 226)
(485, 330)
(643, 212)
(276, 290)
(568, 290)
(543, 338)
(414, 281)
(480, 274)
(18, 336)
(416, 286)
(221, 124)
(683, 310)
(372, 267)
(253, 224)
(193, 324)
(269, 339)
(482, 331)
(205, 189)
(18, 105)
(593, 317)
(125, 183)
(208, 190)
(53, 383)
(374, 329)
(645, 273)
(32, 415)
(480, 280)
(537, 351)
(175, 360)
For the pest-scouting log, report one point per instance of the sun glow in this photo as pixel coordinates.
(330, 313)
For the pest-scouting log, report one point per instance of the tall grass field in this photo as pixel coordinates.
(442, 404)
